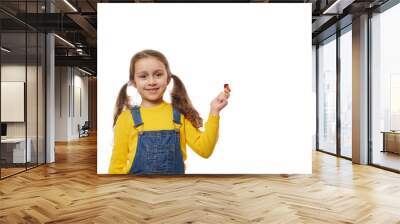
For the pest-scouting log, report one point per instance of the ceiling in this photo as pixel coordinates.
(76, 22)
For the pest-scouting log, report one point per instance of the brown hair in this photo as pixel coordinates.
(179, 97)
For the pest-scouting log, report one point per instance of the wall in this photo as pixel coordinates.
(62, 80)
(80, 102)
(17, 73)
(14, 73)
(92, 87)
(71, 102)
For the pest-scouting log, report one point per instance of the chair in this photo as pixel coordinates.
(84, 130)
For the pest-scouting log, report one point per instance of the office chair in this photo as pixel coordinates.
(84, 130)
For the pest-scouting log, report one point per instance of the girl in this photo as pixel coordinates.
(151, 138)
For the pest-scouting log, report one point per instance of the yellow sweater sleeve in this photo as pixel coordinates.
(203, 143)
(120, 151)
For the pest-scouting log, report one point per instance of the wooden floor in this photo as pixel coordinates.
(10, 171)
(387, 159)
(5, 172)
(70, 191)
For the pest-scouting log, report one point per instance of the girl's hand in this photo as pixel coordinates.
(220, 102)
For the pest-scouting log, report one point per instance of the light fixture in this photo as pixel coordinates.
(70, 5)
(338, 6)
(5, 49)
(86, 72)
(64, 40)
(80, 51)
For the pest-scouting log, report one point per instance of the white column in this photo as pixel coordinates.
(50, 93)
(360, 90)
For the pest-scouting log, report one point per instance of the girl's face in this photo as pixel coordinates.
(150, 79)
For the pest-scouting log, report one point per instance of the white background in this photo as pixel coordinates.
(262, 50)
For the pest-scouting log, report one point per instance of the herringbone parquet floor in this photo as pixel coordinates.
(70, 191)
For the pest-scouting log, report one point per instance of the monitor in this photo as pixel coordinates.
(3, 129)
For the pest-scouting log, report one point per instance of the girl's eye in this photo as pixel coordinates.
(142, 76)
(159, 74)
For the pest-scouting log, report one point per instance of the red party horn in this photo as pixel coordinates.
(226, 86)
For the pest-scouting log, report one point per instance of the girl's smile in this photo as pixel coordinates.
(152, 90)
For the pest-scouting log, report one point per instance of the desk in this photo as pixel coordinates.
(391, 141)
(15, 148)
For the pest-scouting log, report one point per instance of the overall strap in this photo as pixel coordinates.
(177, 116)
(177, 119)
(137, 118)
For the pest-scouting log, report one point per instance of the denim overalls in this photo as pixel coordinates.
(157, 152)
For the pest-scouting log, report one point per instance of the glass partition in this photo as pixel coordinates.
(13, 105)
(22, 64)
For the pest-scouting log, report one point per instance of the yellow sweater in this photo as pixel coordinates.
(159, 117)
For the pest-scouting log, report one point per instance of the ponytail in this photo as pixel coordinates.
(180, 100)
(121, 102)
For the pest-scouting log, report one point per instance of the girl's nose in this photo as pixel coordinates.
(152, 80)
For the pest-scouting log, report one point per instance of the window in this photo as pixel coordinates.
(385, 88)
(327, 96)
(346, 92)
